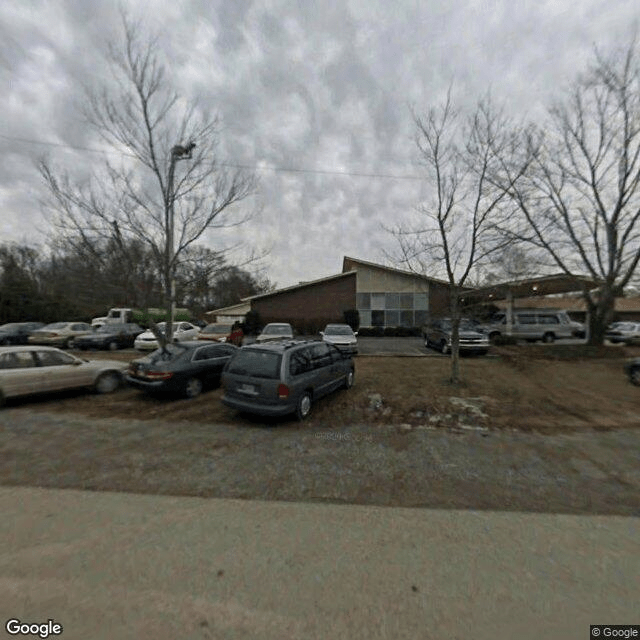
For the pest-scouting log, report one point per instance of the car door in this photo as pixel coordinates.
(209, 360)
(321, 363)
(19, 374)
(62, 371)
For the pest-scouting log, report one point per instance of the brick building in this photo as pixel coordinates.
(383, 296)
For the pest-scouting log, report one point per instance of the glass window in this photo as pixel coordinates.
(420, 301)
(421, 317)
(19, 360)
(526, 318)
(406, 300)
(206, 353)
(363, 301)
(550, 319)
(300, 361)
(320, 355)
(378, 300)
(54, 358)
(392, 301)
(406, 318)
(365, 318)
(255, 363)
(377, 318)
(391, 318)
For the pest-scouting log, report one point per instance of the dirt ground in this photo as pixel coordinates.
(541, 389)
(543, 431)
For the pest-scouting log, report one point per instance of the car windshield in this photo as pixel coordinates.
(256, 363)
(277, 329)
(56, 325)
(162, 325)
(338, 330)
(465, 325)
(626, 326)
(217, 328)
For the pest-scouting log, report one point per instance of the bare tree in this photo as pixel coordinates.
(580, 202)
(454, 231)
(150, 196)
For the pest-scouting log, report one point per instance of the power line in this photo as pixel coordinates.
(232, 165)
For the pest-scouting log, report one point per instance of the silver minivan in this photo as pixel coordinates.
(281, 378)
(532, 324)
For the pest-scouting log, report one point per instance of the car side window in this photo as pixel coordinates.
(526, 318)
(335, 354)
(300, 362)
(54, 358)
(320, 355)
(206, 353)
(17, 360)
(549, 320)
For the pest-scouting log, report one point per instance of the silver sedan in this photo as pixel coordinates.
(25, 370)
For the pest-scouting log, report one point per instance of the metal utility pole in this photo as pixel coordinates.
(177, 153)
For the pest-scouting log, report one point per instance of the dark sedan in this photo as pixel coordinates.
(18, 332)
(183, 367)
(110, 336)
(437, 334)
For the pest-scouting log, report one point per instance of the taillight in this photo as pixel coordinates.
(159, 375)
(283, 391)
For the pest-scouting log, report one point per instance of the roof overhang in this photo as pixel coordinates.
(540, 286)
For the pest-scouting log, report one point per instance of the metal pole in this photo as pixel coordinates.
(169, 250)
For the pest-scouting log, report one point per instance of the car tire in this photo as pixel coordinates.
(193, 387)
(112, 346)
(348, 379)
(303, 408)
(548, 338)
(107, 382)
(494, 337)
(634, 376)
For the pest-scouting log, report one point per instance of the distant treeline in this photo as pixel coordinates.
(69, 282)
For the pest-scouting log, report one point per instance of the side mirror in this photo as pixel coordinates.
(355, 333)
(322, 333)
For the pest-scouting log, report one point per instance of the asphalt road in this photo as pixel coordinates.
(106, 565)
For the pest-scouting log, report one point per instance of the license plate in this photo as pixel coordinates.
(247, 388)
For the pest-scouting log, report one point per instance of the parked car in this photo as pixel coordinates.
(181, 331)
(624, 333)
(632, 369)
(284, 377)
(18, 332)
(26, 370)
(341, 336)
(110, 336)
(531, 325)
(437, 334)
(60, 334)
(184, 367)
(276, 331)
(222, 333)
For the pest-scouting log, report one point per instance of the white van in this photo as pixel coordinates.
(532, 324)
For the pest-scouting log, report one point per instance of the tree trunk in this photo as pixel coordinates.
(601, 314)
(455, 337)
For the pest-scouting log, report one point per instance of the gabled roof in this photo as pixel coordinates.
(373, 265)
(241, 307)
(300, 285)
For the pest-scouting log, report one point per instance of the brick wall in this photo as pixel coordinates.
(321, 303)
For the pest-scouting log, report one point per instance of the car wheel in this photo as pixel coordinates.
(444, 348)
(107, 382)
(634, 376)
(348, 381)
(193, 388)
(303, 408)
(494, 337)
(113, 346)
(548, 338)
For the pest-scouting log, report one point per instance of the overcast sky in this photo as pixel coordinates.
(322, 87)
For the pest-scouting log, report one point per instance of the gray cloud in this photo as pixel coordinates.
(323, 86)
